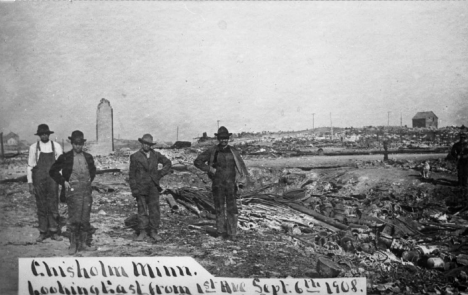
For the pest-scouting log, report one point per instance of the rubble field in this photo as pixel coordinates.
(301, 217)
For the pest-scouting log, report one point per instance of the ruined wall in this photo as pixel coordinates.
(105, 127)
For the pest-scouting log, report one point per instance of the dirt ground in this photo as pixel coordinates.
(260, 252)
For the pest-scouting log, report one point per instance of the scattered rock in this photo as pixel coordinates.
(327, 268)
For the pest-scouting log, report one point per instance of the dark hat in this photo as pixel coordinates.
(147, 138)
(77, 137)
(43, 129)
(223, 132)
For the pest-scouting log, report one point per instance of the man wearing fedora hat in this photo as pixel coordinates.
(77, 172)
(42, 155)
(144, 179)
(226, 169)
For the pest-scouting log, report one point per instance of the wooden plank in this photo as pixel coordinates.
(318, 216)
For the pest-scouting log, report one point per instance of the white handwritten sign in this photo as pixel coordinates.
(158, 275)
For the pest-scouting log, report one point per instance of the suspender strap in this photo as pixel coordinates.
(38, 149)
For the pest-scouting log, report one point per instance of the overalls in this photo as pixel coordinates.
(46, 191)
(224, 192)
(79, 198)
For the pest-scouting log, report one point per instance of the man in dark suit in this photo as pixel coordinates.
(77, 172)
(459, 152)
(144, 179)
(226, 169)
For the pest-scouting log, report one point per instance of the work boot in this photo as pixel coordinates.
(141, 236)
(154, 235)
(231, 238)
(73, 244)
(42, 237)
(54, 236)
(82, 246)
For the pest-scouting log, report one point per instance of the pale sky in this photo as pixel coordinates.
(252, 65)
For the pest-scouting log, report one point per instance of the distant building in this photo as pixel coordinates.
(351, 137)
(181, 145)
(425, 120)
(11, 139)
(203, 138)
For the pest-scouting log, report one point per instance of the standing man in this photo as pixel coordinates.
(77, 172)
(225, 168)
(42, 155)
(385, 146)
(459, 152)
(144, 179)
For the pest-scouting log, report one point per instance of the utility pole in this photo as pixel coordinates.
(388, 119)
(218, 123)
(177, 138)
(331, 124)
(401, 120)
(313, 121)
(1, 140)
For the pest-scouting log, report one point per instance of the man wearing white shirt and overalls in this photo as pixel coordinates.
(42, 155)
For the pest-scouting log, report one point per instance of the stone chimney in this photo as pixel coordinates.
(105, 127)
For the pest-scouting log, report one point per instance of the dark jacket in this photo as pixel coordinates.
(64, 163)
(206, 160)
(459, 152)
(144, 170)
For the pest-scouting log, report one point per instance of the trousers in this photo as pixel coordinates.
(79, 203)
(46, 194)
(149, 211)
(224, 198)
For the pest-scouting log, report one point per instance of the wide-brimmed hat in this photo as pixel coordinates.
(223, 133)
(147, 139)
(43, 129)
(77, 137)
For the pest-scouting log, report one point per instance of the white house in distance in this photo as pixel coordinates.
(11, 139)
(352, 137)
